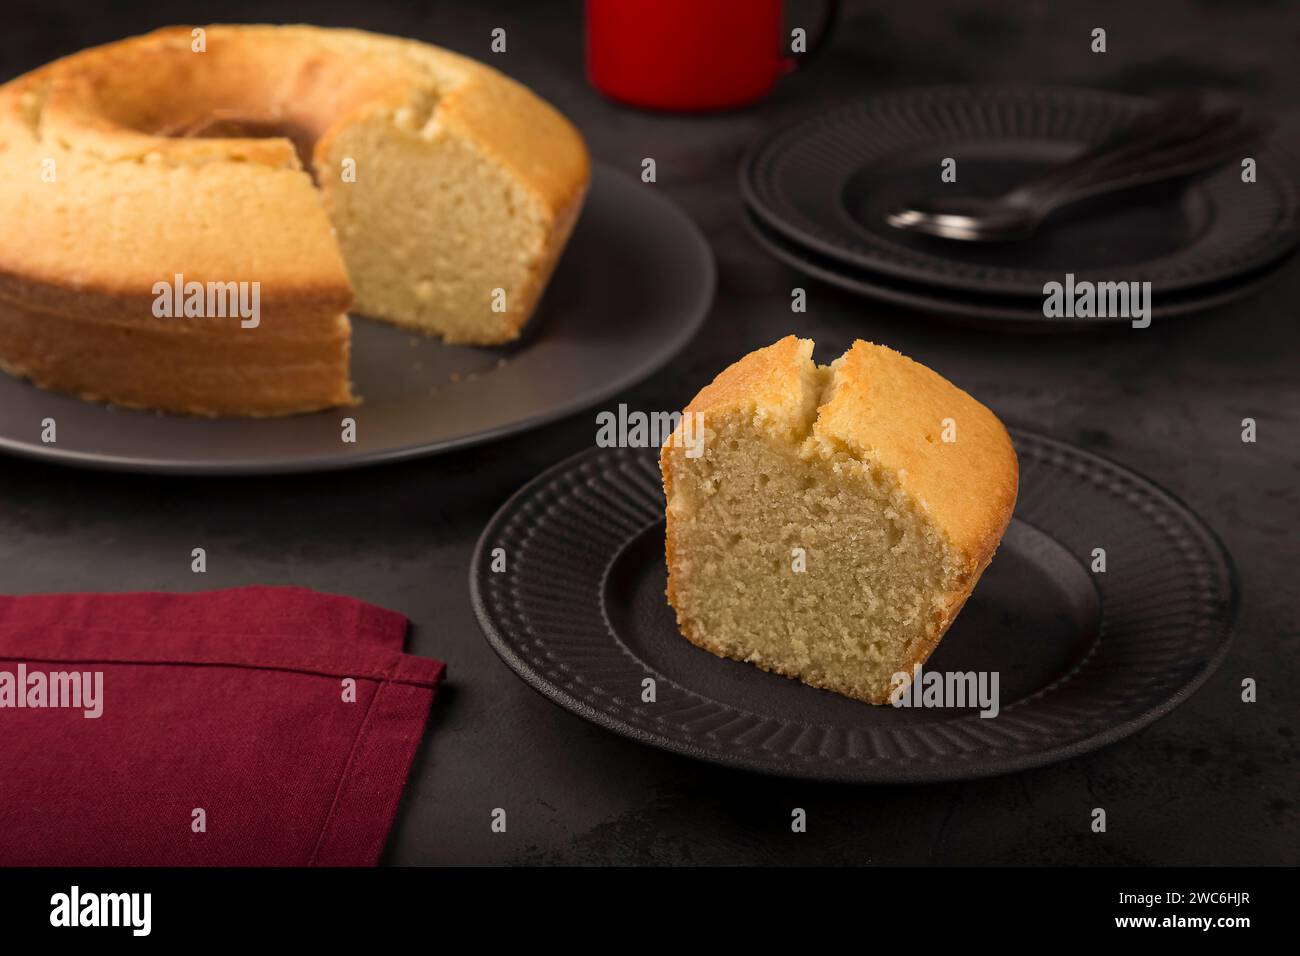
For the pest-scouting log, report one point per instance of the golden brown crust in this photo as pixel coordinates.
(251, 372)
(769, 379)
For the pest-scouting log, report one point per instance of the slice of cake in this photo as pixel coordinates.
(829, 522)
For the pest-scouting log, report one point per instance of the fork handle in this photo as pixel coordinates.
(1123, 171)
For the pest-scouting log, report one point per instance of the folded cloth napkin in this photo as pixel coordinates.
(252, 726)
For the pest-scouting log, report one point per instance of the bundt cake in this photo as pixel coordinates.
(838, 516)
(155, 188)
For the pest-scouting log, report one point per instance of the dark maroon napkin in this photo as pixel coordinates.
(252, 726)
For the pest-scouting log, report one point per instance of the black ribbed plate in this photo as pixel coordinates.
(1084, 659)
(826, 183)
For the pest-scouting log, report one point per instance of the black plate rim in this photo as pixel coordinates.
(831, 250)
(951, 304)
(832, 773)
(679, 339)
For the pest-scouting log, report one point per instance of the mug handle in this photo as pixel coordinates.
(817, 37)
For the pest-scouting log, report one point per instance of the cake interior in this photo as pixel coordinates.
(430, 230)
(877, 573)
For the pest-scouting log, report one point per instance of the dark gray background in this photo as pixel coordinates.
(1215, 782)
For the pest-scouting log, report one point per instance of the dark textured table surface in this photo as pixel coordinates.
(1213, 783)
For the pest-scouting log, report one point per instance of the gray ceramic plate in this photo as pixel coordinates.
(1084, 659)
(827, 182)
(632, 289)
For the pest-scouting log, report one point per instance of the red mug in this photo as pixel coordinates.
(690, 54)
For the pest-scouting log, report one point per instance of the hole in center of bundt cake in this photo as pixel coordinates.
(228, 124)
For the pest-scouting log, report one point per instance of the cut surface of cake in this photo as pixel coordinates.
(331, 168)
(828, 523)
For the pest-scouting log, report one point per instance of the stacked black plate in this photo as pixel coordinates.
(818, 193)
